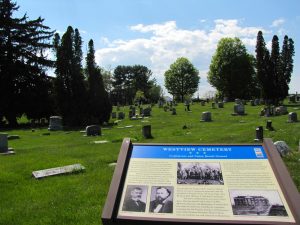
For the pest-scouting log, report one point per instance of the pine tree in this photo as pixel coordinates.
(69, 85)
(264, 76)
(287, 54)
(275, 70)
(22, 63)
(99, 106)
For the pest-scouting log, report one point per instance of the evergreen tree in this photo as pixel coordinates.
(275, 70)
(69, 85)
(22, 63)
(287, 54)
(264, 76)
(99, 106)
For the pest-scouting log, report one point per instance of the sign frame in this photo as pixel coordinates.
(110, 210)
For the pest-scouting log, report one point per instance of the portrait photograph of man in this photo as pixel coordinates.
(135, 198)
(161, 200)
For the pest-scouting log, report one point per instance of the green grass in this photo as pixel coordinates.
(79, 198)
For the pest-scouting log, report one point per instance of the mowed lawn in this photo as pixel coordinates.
(79, 198)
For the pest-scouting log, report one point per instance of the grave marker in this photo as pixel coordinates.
(4, 149)
(93, 130)
(58, 170)
(292, 117)
(206, 117)
(55, 123)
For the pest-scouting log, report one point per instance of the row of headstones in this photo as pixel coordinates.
(132, 113)
(206, 116)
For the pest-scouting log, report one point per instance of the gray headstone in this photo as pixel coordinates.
(206, 117)
(146, 131)
(238, 101)
(93, 130)
(252, 103)
(239, 109)
(147, 111)
(3, 143)
(213, 105)
(202, 103)
(173, 111)
(220, 104)
(281, 110)
(256, 101)
(282, 148)
(259, 133)
(292, 117)
(55, 123)
(113, 115)
(121, 116)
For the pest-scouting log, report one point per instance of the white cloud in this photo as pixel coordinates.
(166, 42)
(278, 22)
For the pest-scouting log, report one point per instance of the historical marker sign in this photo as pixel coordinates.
(221, 184)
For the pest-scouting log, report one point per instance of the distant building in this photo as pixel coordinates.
(251, 201)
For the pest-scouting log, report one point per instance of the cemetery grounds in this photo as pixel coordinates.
(79, 198)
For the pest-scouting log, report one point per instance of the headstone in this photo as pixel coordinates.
(206, 117)
(292, 117)
(281, 110)
(213, 105)
(173, 111)
(55, 123)
(93, 130)
(101, 142)
(121, 116)
(292, 98)
(239, 109)
(282, 148)
(58, 170)
(220, 104)
(259, 132)
(252, 103)
(146, 131)
(256, 101)
(202, 103)
(238, 101)
(147, 111)
(13, 137)
(4, 149)
(269, 125)
(3, 143)
(113, 115)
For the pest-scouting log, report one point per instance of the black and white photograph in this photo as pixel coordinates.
(199, 173)
(135, 198)
(161, 199)
(257, 203)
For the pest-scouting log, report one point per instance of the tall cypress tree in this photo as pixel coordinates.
(275, 69)
(287, 54)
(264, 76)
(100, 107)
(69, 85)
(22, 63)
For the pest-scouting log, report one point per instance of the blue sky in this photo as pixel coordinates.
(155, 33)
